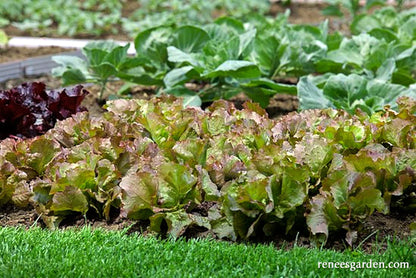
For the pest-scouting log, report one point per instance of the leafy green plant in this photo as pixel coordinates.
(388, 24)
(215, 57)
(283, 50)
(373, 57)
(351, 92)
(229, 56)
(232, 173)
(214, 54)
(104, 59)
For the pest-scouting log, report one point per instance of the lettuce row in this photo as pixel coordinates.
(231, 173)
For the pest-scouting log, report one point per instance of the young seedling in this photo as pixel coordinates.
(103, 60)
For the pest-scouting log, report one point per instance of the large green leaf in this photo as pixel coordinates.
(152, 43)
(73, 70)
(178, 182)
(357, 50)
(41, 153)
(271, 55)
(104, 45)
(179, 76)
(276, 88)
(190, 38)
(236, 69)
(259, 95)
(384, 34)
(178, 56)
(192, 101)
(95, 56)
(385, 93)
(73, 76)
(385, 72)
(117, 56)
(139, 194)
(71, 199)
(189, 98)
(70, 62)
(346, 91)
(104, 70)
(230, 23)
(140, 76)
(364, 23)
(310, 96)
(246, 41)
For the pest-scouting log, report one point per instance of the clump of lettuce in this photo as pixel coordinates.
(29, 110)
(224, 172)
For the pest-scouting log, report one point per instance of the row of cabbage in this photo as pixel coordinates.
(221, 59)
(110, 17)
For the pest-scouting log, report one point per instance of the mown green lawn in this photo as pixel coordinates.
(99, 253)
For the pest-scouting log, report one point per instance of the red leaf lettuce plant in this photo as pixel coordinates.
(29, 110)
(230, 173)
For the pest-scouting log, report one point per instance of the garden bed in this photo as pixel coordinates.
(307, 178)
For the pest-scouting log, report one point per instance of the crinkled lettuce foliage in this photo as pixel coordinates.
(29, 110)
(230, 173)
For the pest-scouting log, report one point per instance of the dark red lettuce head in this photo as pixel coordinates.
(29, 110)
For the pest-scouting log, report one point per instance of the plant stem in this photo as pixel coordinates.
(103, 85)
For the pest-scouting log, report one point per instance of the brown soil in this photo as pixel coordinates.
(11, 216)
(129, 7)
(51, 82)
(280, 104)
(311, 14)
(12, 54)
(301, 13)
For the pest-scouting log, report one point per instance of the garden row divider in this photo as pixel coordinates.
(33, 42)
